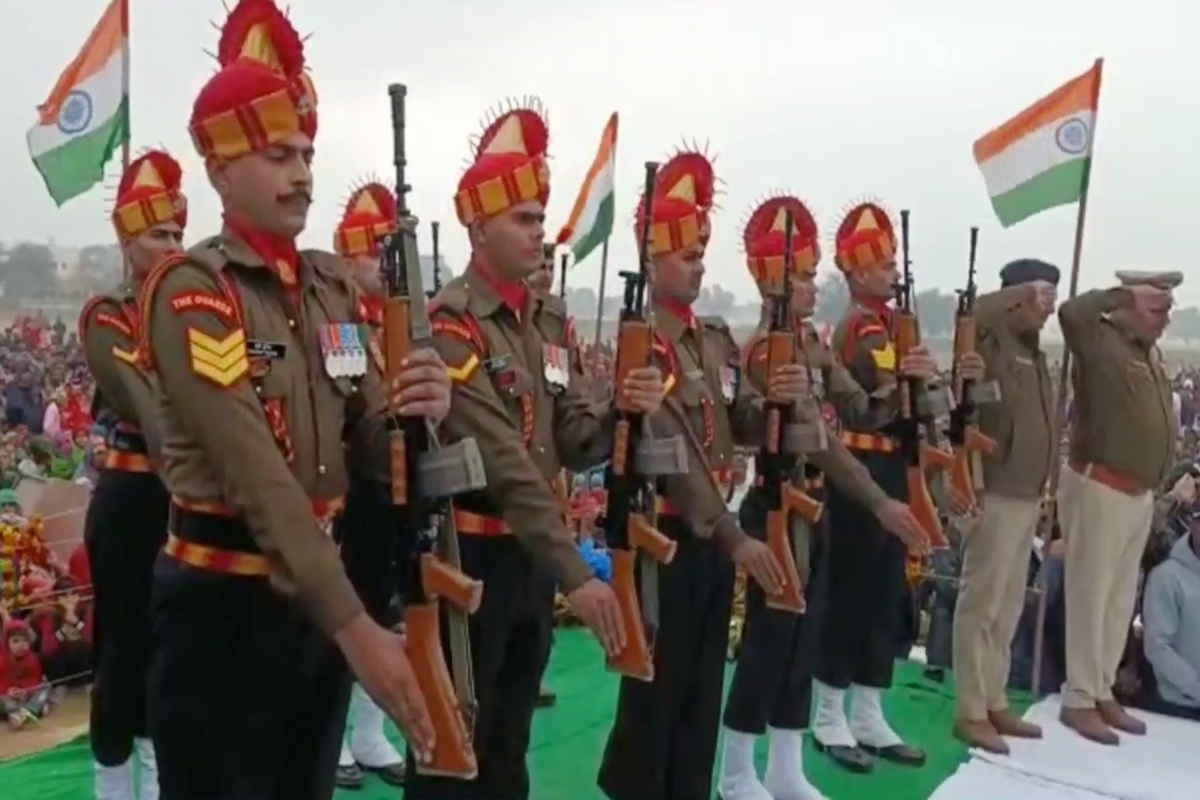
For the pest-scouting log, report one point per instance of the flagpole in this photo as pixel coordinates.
(125, 146)
(600, 301)
(1064, 374)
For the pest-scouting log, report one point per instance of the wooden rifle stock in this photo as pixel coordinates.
(965, 439)
(431, 577)
(628, 525)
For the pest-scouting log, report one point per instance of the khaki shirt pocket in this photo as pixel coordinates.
(514, 385)
(274, 392)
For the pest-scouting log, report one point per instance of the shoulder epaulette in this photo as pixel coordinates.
(714, 322)
(555, 305)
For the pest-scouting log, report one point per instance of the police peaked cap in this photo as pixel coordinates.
(1027, 270)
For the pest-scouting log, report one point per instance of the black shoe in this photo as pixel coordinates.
(349, 777)
(904, 754)
(854, 759)
(546, 698)
(392, 774)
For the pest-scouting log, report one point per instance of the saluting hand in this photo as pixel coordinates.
(596, 605)
(644, 389)
(919, 364)
(422, 389)
(760, 564)
(788, 384)
(971, 367)
(897, 519)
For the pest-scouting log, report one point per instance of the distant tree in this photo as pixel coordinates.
(1185, 324)
(936, 312)
(27, 272)
(581, 301)
(101, 264)
(832, 299)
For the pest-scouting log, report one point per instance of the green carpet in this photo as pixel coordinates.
(568, 741)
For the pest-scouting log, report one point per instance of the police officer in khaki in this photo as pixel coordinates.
(263, 375)
(771, 690)
(1123, 439)
(516, 394)
(997, 548)
(149, 217)
(663, 740)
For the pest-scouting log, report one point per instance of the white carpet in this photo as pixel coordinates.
(1163, 765)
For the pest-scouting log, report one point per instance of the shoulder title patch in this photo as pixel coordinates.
(220, 361)
(114, 322)
(203, 301)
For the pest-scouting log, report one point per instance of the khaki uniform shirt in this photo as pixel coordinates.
(830, 380)
(251, 416)
(108, 330)
(516, 394)
(1124, 417)
(709, 404)
(862, 343)
(1022, 421)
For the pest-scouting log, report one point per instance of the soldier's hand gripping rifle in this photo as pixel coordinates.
(919, 455)
(779, 456)
(629, 477)
(424, 476)
(966, 475)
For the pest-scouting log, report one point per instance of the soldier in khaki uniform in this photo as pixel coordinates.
(771, 688)
(149, 217)
(866, 582)
(368, 218)
(996, 550)
(663, 741)
(516, 395)
(262, 378)
(1123, 438)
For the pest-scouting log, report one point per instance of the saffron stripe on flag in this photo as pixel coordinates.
(106, 40)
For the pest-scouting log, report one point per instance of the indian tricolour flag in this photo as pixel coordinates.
(86, 117)
(591, 220)
(1042, 157)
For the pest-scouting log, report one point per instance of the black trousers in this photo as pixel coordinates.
(367, 532)
(510, 643)
(663, 741)
(862, 616)
(125, 528)
(772, 682)
(242, 686)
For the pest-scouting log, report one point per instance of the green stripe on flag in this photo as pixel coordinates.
(78, 165)
(1057, 186)
(600, 231)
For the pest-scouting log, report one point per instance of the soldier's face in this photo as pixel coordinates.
(271, 189)
(512, 241)
(1154, 316)
(144, 251)
(365, 269)
(804, 294)
(541, 281)
(877, 282)
(678, 276)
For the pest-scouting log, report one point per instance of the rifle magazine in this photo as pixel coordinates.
(452, 470)
(662, 456)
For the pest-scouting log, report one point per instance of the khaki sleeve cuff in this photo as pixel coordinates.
(570, 569)
(728, 534)
(331, 602)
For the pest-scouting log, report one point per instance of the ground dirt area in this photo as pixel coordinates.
(67, 722)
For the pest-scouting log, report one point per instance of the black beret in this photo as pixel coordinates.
(1027, 270)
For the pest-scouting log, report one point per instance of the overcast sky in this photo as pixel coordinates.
(834, 101)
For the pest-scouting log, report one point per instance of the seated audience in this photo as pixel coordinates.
(1171, 625)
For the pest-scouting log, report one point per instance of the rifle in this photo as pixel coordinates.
(424, 475)
(967, 442)
(918, 454)
(779, 461)
(629, 476)
(562, 283)
(434, 230)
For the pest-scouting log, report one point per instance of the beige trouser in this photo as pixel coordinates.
(991, 596)
(1105, 532)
